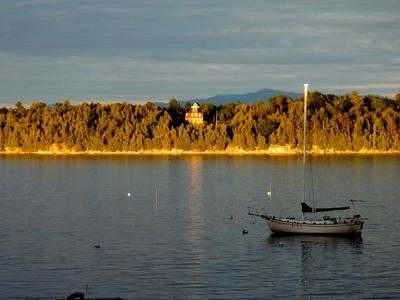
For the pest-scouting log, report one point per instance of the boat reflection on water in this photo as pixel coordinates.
(316, 240)
(317, 255)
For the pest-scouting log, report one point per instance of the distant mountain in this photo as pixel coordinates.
(264, 94)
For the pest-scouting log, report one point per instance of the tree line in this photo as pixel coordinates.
(346, 122)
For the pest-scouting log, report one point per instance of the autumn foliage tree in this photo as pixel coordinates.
(347, 122)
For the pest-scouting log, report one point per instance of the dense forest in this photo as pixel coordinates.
(346, 122)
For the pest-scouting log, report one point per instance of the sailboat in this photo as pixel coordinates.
(310, 223)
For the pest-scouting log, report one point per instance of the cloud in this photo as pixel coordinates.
(158, 48)
(120, 78)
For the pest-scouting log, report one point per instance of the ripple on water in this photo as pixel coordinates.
(54, 211)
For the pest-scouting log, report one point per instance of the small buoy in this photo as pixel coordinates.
(97, 246)
(244, 231)
(129, 194)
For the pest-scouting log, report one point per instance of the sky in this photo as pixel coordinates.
(163, 49)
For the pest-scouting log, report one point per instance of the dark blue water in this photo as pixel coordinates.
(185, 246)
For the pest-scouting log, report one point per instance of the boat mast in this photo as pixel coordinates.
(305, 141)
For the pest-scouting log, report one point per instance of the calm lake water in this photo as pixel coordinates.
(185, 246)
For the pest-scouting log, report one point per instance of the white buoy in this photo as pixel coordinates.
(129, 195)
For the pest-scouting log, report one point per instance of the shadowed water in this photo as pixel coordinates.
(54, 210)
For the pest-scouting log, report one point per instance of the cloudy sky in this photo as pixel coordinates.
(156, 49)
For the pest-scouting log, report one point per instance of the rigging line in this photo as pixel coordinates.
(312, 184)
(312, 175)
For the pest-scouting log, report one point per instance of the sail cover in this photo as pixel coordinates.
(307, 209)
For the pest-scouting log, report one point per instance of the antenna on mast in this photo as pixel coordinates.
(305, 122)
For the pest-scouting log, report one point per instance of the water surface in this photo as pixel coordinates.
(185, 246)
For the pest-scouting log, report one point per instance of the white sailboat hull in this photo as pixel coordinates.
(278, 225)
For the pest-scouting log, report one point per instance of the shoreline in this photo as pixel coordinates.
(281, 151)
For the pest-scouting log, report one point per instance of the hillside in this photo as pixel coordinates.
(264, 94)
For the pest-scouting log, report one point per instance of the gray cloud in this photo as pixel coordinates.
(141, 49)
